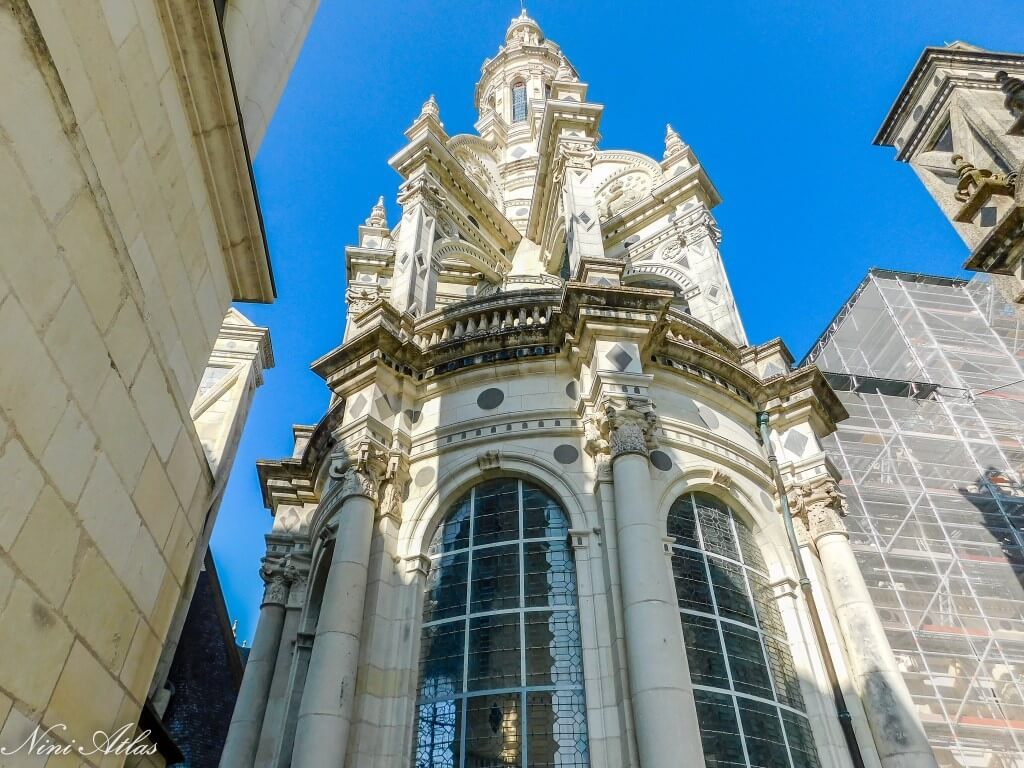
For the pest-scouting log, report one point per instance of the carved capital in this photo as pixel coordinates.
(572, 154)
(357, 473)
(818, 507)
(278, 575)
(629, 428)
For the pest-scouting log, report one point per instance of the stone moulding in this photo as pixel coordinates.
(199, 59)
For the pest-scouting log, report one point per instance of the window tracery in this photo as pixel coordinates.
(749, 704)
(501, 671)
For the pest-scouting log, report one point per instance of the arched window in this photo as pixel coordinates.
(501, 670)
(518, 102)
(749, 705)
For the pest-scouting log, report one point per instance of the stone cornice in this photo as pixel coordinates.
(207, 90)
(933, 59)
(1003, 247)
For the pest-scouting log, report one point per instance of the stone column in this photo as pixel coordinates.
(664, 711)
(244, 732)
(328, 699)
(895, 727)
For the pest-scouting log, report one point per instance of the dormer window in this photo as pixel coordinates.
(518, 102)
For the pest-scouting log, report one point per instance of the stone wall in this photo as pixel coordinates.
(130, 224)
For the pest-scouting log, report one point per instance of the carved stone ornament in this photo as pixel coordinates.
(630, 429)
(423, 189)
(819, 505)
(357, 474)
(971, 179)
(489, 460)
(1013, 87)
(378, 217)
(572, 154)
(278, 575)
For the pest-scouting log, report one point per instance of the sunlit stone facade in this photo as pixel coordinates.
(538, 524)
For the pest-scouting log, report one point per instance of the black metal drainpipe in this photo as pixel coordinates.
(845, 721)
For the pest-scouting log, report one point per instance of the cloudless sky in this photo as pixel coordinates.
(780, 101)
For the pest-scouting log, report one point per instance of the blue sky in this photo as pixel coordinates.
(780, 101)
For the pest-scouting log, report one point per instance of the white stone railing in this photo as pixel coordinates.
(499, 314)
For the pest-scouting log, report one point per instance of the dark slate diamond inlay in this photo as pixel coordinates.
(412, 416)
(359, 405)
(661, 460)
(518, 152)
(619, 357)
(988, 216)
(795, 442)
(585, 218)
(566, 454)
(490, 399)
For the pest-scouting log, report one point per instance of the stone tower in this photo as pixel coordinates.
(540, 523)
(959, 122)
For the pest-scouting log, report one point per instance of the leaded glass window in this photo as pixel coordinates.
(501, 669)
(749, 705)
(518, 102)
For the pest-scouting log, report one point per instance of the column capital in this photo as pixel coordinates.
(358, 472)
(278, 575)
(573, 152)
(819, 507)
(623, 427)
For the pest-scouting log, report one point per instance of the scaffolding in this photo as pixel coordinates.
(930, 370)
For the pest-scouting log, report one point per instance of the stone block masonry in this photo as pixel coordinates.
(130, 224)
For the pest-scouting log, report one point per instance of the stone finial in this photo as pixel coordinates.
(564, 73)
(430, 109)
(674, 144)
(1013, 87)
(378, 216)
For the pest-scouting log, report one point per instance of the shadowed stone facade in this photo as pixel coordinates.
(537, 524)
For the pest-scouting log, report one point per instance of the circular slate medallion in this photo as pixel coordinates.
(661, 460)
(424, 477)
(566, 454)
(490, 399)
(571, 390)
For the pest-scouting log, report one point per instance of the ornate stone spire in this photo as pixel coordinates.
(674, 144)
(378, 217)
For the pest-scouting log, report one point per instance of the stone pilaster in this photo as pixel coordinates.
(895, 727)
